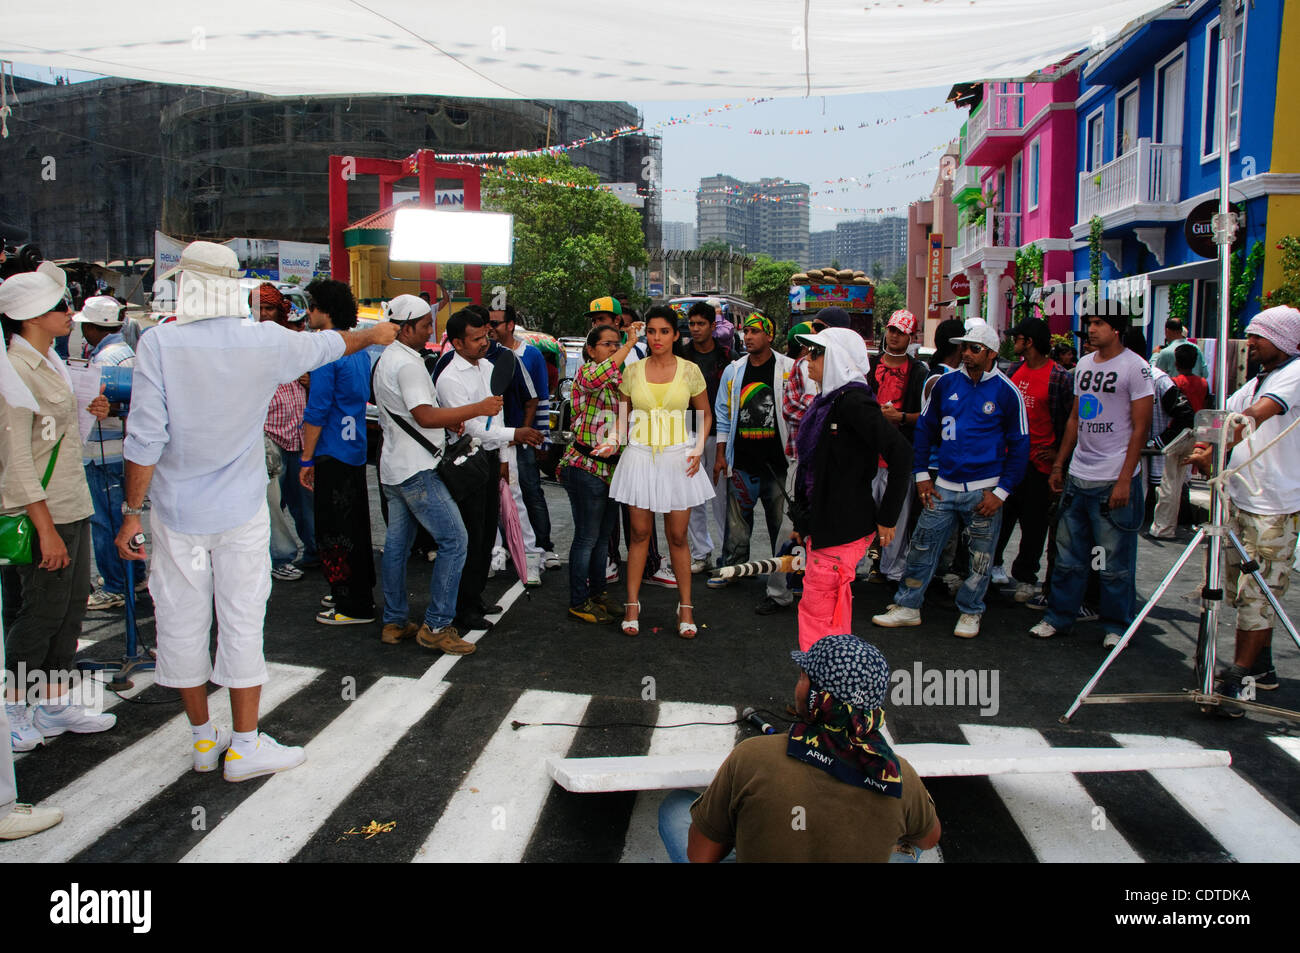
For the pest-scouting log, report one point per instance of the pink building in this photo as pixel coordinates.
(1020, 138)
(931, 223)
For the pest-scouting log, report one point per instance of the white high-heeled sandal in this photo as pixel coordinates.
(631, 626)
(686, 630)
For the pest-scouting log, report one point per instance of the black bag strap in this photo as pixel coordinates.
(411, 432)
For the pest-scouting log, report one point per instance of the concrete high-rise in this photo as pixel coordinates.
(768, 217)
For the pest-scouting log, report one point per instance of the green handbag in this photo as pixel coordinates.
(16, 532)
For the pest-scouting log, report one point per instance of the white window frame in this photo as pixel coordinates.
(1132, 89)
(1210, 87)
(1036, 158)
(1101, 139)
(1157, 104)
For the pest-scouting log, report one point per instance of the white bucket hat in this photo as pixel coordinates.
(209, 283)
(33, 293)
(102, 311)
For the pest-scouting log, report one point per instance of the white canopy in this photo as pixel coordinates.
(564, 49)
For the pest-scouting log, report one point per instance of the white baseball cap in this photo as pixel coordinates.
(33, 293)
(979, 333)
(100, 310)
(405, 308)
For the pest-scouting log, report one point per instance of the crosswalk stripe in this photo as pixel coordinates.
(1244, 821)
(1053, 811)
(274, 823)
(1290, 745)
(107, 794)
(643, 844)
(491, 816)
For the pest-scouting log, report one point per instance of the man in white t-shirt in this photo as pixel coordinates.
(1101, 508)
(1263, 500)
(413, 426)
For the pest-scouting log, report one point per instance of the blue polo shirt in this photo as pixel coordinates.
(336, 403)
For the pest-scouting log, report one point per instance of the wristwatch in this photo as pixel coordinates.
(129, 510)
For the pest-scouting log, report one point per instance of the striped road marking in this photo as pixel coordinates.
(491, 816)
(1053, 811)
(1244, 821)
(1290, 745)
(111, 792)
(280, 818)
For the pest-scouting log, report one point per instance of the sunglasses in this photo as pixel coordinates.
(495, 324)
(975, 349)
(62, 306)
(816, 350)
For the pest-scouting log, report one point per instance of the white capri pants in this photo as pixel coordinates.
(192, 572)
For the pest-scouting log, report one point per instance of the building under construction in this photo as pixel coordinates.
(91, 169)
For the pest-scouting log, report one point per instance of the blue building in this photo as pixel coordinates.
(1148, 155)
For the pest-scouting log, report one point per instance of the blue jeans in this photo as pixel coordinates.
(301, 505)
(929, 539)
(744, 490)
(105, 482)
(423, 499)
(594, 518)
(530, 485)
(1090, 533)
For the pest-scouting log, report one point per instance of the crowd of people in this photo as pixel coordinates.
(876, 465)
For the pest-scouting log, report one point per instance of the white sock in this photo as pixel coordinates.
(244, 741)
(203, 732)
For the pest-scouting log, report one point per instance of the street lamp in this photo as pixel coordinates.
(1026, 291)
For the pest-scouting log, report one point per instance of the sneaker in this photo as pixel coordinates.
(1024, 591)
(1044, 630)
(1039, 602)
(143, 584)
(330, 617)
(999, 577)
(718, 582)
(327, 602)
(103, 599)
(533, 574)
(699, 565)
(25, 820)
(286, 573)
(550, 560)
(611, 571)
(770, 606)
(1110, 640)
(498, 563)
(968, 626)
(208, 753)
(609, 605)
(269, 757)
(663, 577)
(897, 617)
(1087, 614)
(590, 612)
(22, 735)
(74, 718)
(394, 633)
(447, 639)
(1229, 686)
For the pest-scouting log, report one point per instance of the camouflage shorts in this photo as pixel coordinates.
(1271, 540)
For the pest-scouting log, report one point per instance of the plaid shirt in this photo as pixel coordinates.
(1060, 399)
(798, 397)
(595, 416)
(284, 419)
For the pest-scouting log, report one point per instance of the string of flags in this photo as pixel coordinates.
(887, 121)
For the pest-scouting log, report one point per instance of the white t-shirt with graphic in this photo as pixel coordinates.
(1276, 474)
(1105, 391)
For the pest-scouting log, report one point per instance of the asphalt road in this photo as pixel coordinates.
(412, 756)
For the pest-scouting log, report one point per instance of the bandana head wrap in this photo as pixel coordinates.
(763, 323)
(1279, 326)
(270, 294)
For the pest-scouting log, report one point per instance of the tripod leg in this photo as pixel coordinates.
(1264, 588)
(1141, 616)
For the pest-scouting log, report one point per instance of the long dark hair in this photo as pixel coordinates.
(593, 338)
(668, 315)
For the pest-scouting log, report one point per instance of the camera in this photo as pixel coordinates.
(19, 258)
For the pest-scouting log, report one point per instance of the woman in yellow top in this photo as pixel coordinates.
(659, 472)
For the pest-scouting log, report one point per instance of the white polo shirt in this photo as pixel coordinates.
(402, 383)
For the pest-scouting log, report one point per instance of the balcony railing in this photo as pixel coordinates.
(1147, 175)
(967, 177)
(998, 230)
(1002, 111)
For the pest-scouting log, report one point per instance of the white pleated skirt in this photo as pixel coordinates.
(658, 481)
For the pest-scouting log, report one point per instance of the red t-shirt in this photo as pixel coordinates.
(1195, 389)
(890, 384)
(1033, 388)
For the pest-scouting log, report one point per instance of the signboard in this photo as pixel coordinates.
(448, 200)
(934, 280)
(960, 286)
(848, 297)
(297, 259)
(1200, 233)
(166, 253)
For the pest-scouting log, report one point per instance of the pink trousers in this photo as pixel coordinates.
(826, 607)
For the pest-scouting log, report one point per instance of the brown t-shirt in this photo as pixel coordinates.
(775, 809)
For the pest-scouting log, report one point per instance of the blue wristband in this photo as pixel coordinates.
(306, 464)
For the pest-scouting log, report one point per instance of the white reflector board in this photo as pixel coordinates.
(452, 238)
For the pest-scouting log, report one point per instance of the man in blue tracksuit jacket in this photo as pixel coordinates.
(977, 418)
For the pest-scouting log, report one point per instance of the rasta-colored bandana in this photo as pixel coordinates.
(756, 320)
(845, 741)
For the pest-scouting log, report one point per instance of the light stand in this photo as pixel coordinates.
(1225, 226)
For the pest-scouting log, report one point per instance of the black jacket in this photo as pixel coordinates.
(841, 509)
(917, 373)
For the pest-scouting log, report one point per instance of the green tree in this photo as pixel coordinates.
(715, 245)
(571, 244)
(767, 284)
(1288, 292)
(899, 277)
(877, 270)
(889, 298)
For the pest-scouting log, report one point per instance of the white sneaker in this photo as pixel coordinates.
(1025, 591)
(968, 626)
(268, 757)
(55, 721)
(533, 574)
(1044, 630)
(897, 617)
(103, 599)
(611, 571)
(498, 563)
(663, 577)
(1000, 577)
(1110, 640)
(25, 820)
(208, 753)
(699, 565)
(22, 735)
(550, 560)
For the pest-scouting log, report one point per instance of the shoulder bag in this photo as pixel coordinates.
(17, 532)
